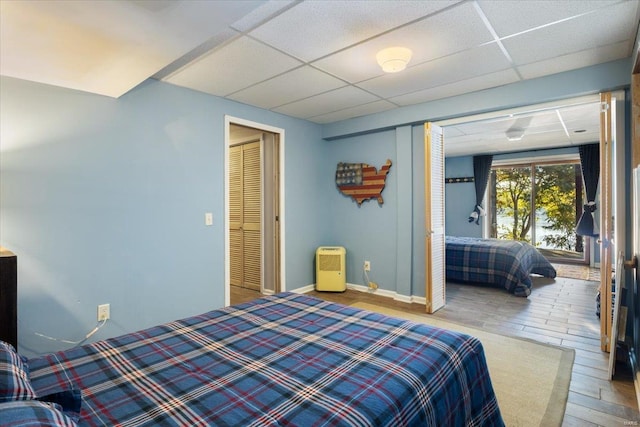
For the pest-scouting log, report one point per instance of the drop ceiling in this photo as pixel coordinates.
(313, 60)
(571, 122)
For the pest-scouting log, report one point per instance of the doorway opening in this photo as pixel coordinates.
(566, 123)
(254, 224)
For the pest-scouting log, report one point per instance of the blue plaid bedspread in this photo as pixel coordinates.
(287, 360)
(505, 263)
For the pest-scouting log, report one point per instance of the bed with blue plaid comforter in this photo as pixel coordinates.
(286, 359)
(506, 263)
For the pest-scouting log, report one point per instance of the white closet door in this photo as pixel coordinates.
(434, 217)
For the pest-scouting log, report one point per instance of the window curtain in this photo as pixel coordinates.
(590, 165)
(481, 172)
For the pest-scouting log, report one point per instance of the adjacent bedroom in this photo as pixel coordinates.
(532, 200)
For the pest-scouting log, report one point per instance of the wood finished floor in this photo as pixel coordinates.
(560, 311)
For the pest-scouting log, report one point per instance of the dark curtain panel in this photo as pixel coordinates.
(481, 172)
(590, 164)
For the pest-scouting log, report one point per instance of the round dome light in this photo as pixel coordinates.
(394, 59)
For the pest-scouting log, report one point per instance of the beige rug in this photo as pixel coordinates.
(530, 379)
(573, 271)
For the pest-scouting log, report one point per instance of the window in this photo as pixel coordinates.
(539, 203)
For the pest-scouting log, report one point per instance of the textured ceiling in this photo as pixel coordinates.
(570, 122)
(315, 59)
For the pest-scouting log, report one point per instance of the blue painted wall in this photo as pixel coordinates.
(103, 200)
(381, 129)
(368, 231)
(390, 236)
(460, 198)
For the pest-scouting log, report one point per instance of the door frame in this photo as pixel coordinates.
(613, 234)
(281, 267)
(618, 127)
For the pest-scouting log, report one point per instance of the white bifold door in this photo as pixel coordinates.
(245, 207)
(434, 217)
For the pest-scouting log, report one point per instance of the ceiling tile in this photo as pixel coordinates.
(574, 61)
(585, 137)
(488, 128)
(268, 10)
(584, 118)
(105, 47)
(322, 27)
(428, 39)
(467, 149)
(219, 39)
(233, 67)
(461, 66)
(473, 84)
(510, 17)
(286, 88)
(575, 35)
(349, 113)
(486, 133)
(581, 112)
(544, 117)
(451, 131)
(549, 127)
(315, 59)
(327, 102)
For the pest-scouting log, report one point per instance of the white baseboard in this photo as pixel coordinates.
(389, 294)
(304, 289)
(361, 288)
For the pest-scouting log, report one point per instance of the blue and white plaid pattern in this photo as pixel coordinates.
(506, 263)
(14, 375)
(287, 359)
(31, 413)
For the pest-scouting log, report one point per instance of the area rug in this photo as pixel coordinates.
(582, 272)
(530, 379)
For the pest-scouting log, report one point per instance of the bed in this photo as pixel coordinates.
(505, 263)
(287, 359)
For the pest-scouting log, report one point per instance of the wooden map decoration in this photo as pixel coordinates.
(361, 181)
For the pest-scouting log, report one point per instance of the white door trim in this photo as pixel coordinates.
(228, 120)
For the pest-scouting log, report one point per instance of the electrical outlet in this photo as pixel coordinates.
(208, 218)
(367, 266)
(104, 312)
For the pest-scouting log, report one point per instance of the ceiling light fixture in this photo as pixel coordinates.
(394, 59)
(514, 134)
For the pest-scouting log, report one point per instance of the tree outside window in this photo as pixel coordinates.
(556, 195)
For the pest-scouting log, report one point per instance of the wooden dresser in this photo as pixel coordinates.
(8, 297)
